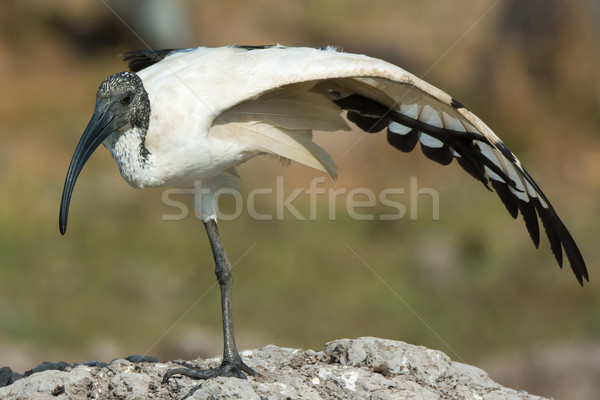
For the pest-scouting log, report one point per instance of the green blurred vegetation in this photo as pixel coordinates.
(470, 284)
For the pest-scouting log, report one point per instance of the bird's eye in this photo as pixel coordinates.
(126, 100)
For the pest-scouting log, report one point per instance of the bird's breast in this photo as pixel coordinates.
(182, 152)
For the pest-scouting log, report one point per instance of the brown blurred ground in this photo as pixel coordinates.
(121, 276)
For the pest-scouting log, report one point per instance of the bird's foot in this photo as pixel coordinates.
(228, 369)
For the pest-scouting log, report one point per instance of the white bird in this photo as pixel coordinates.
(189, 115)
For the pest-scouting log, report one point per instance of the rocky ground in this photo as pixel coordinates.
(363, 368)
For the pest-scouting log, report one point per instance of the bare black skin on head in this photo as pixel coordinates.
(121, 103)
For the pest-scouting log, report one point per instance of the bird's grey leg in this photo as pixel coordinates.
(224, 274)
(232, 364)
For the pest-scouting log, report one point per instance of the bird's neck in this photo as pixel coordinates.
(131, 155)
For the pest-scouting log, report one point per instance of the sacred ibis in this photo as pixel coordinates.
(189, 115)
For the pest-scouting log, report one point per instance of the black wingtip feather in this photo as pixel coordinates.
(552, 237)
(456, 104)
(531, 221)
(473, 168)
(368, 124)
(558, 234)
(404, 143)
(441, 155)
(507, 198)
(140, 59)
(252, 47)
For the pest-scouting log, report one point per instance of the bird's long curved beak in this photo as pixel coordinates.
(99, 128)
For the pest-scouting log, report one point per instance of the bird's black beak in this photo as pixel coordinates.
(103, 123)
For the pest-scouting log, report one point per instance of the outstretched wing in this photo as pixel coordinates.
(272, 97)
(447, 131)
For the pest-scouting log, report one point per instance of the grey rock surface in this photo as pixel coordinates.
(363, 368)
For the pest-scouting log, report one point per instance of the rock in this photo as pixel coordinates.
(45, 366)
(140, 359)
(363, 368)
(5, 376)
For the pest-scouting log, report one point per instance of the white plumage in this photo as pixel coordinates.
(195, 114)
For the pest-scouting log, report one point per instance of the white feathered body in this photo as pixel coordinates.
(194, 132)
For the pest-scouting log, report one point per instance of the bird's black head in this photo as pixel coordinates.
(121, 103)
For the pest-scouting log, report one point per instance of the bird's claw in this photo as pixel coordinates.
(233, 369)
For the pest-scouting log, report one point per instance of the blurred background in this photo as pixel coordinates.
(123, 281)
